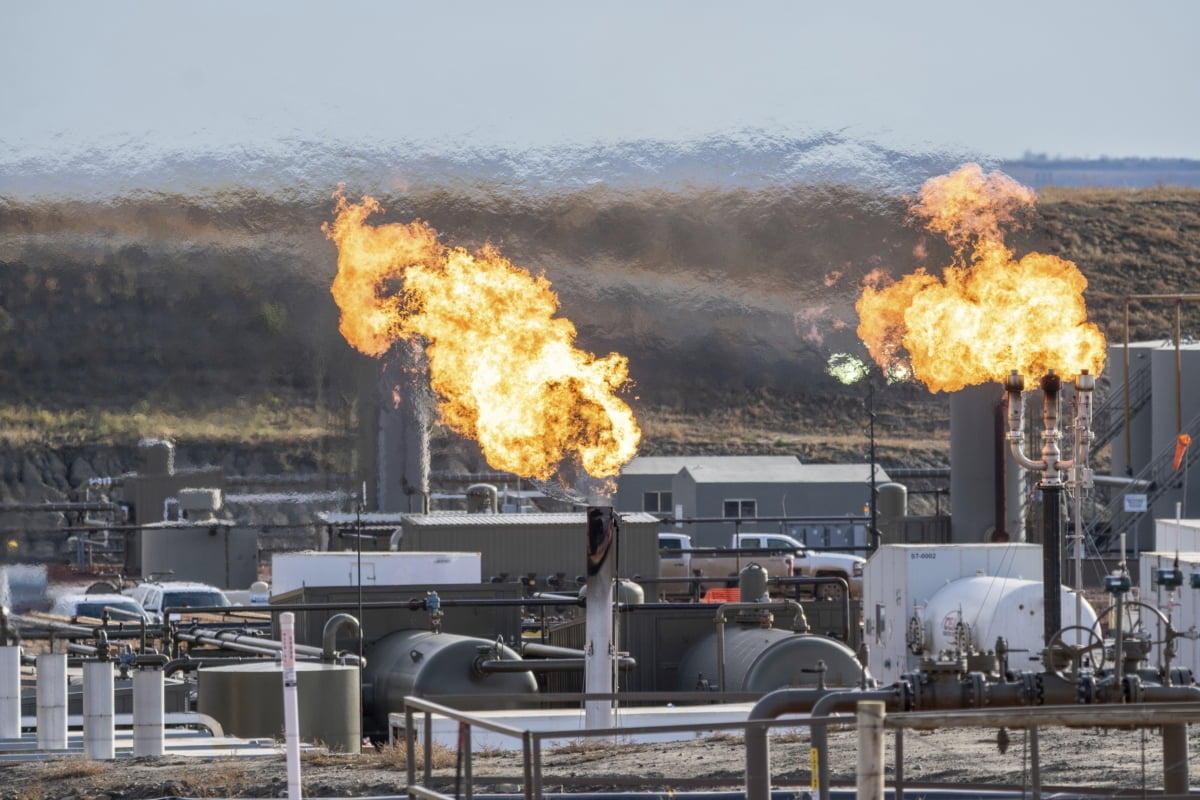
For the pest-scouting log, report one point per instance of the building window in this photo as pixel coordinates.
(741, 509)
(657, 502)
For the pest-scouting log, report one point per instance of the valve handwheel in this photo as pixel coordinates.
(1094, 642)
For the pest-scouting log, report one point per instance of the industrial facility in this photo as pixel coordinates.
(450, 596)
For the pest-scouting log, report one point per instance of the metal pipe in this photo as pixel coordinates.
(839, 701)
(330, 631)
(1051, 560)
(497, 665)
(758, 751)
(799, 623)
(249, 644)
(540, 650)
(1128, 434)
(189, 664)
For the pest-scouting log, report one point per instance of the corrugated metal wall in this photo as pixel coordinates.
(542, 544)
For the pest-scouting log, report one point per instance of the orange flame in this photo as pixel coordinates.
(505, 370)
(988, 314)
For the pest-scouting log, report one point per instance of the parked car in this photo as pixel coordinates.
(121, 608)
(155, 596)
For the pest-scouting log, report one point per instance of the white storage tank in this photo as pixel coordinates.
(975, 611)
(899, 579)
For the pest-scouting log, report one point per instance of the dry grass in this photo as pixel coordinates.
(64, 769)
(394, 756)
(223, 777)
(70, 767)
(257, 423)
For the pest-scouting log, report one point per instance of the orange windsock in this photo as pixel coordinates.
(1181, 446)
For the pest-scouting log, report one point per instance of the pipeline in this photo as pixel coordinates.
(233, 640)
(330, 631)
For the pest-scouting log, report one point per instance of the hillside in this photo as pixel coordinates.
(209, 320)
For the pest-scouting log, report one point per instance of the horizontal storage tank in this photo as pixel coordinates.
(975, 611)
(247, 699)
(422, 663)
(764, 659)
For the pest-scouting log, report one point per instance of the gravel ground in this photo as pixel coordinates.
(1125, 760)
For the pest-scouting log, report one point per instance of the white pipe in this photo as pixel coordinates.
(10, 692)
(291, 717)
(52, 701)
(599, 660)
(98, 728)
(149, 696)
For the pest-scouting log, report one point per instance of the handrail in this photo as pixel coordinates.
(1170, 710)
(1139, 395)
(1157, 475)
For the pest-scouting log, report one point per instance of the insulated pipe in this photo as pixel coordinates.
(149, 697)
(98, 704)
(10, 692)
(52, 701)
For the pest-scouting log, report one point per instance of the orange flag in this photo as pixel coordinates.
(1181, 446)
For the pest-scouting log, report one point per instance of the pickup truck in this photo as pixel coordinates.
(781, 556)
(811, 564)
(679, 559)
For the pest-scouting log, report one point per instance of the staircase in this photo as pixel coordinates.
(1108, 418)
(1159, 476)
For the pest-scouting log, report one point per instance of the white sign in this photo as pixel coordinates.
(1135, 502)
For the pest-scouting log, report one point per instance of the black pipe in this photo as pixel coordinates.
(1052, 559)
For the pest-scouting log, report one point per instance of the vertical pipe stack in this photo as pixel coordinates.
(10, 692)
(291, 717)
(52, 701)
(1051, 486)
(148, 715)
(599, 663)
(98, 702)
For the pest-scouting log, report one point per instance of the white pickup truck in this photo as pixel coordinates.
(810, 563)
(781, 556)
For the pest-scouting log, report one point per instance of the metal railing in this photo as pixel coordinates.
(1108, 417)
(532, 743)
(1159, 475)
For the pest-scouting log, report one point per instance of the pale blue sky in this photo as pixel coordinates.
(1073, 79)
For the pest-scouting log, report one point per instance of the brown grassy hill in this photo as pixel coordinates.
(209, 319)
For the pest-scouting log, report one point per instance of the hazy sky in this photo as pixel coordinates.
(1079, 78)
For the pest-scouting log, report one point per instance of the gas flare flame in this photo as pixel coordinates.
(988, 314)
(504, 368)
